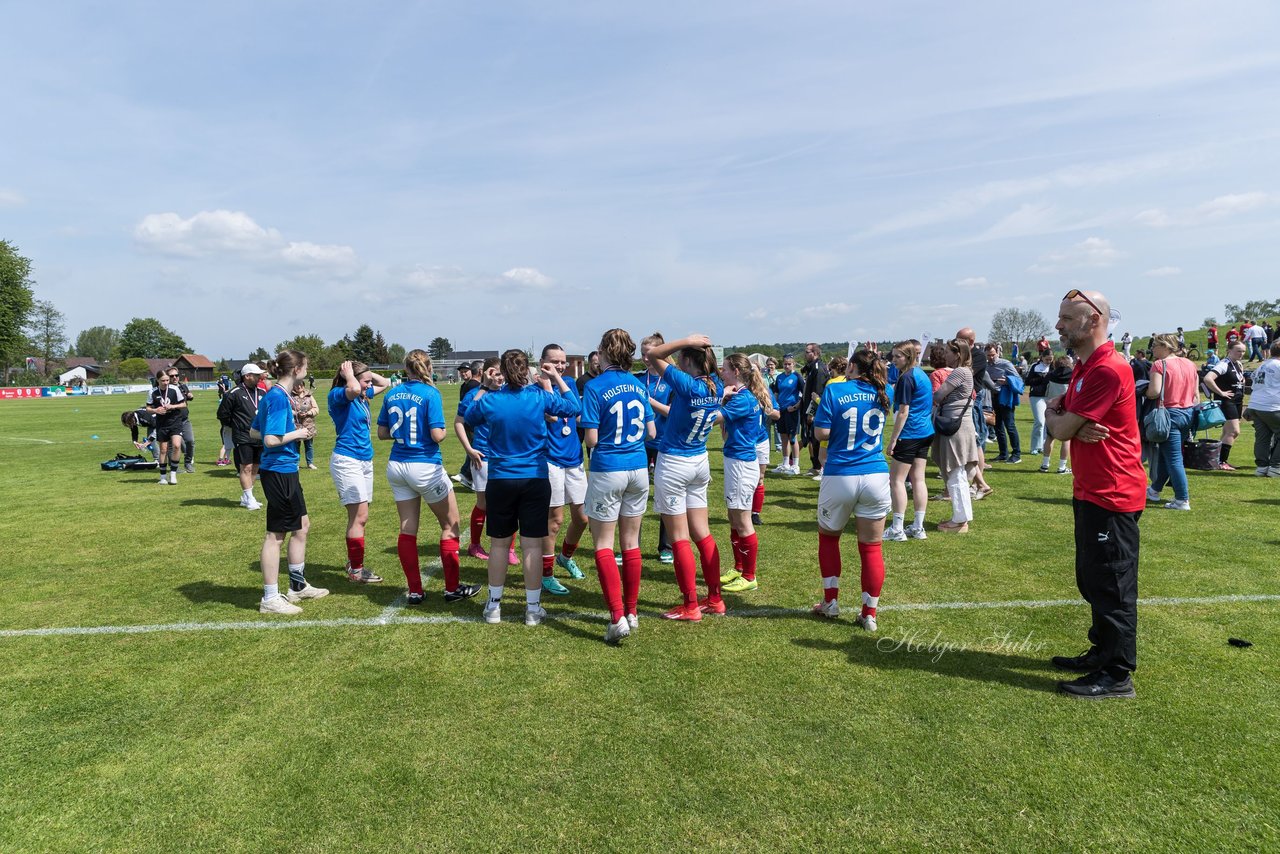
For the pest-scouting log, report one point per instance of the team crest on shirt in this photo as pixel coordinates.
(1079, 384)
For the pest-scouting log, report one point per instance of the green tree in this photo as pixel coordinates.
(16, 301)
(1252, 310)
(440, 348)
(259, 356)
(133, 367)
(47, 331)
(364, 345)
(98, 343)
(395, 354)
(148, 338)
(380, 355)
(1015, 326)
(314, 346)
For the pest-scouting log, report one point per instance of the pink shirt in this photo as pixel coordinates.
(1180, 384)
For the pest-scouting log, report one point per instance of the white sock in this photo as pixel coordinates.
(533, 597)
(1062, 466)
(1045, 462)
(495, 593)
(897, 521)
(270, 590)
(918, 520)
(247, 495)
(869, 600)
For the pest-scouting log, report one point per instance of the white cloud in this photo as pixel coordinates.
(1090, 252)
(11, 198)
(757, 314)
(1163, 271)
(529, 277)
(1212, 210)
(425, 277)
(976, 283)
(829, 309)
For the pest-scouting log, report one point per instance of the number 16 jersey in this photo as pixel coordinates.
(855, 418)
(694, 410)
(616, 405)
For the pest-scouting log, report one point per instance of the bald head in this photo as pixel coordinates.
(967, 334)
(1083, 320)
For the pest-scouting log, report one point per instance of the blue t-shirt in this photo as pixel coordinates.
(856, 421)
(517, 427)
(616, 406)
(275, 418)
(914, 389)
(763, 435)
(741, 425)
(564, 447)
(479, 435)
(351, 421)
(658, 390)
(694, 411)
(788, 389)
(410, 411)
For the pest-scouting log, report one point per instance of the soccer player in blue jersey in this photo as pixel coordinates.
(855, 481)
(745, 404)
(682, 472)
(909, 445)
(351, 465)
(412, 417)
(476, 445)
(518, 492)
(788, 387)
(660, 399)
(617, 418)
(274, 427)
(568, 482)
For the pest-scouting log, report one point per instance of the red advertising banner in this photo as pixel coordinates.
(15, 393)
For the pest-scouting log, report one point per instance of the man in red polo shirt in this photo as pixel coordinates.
(1097, 412)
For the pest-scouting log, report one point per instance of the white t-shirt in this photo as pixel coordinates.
(1265, 396)
(1258, 332)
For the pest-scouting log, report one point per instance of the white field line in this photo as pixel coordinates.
(38, 441)
(397, 619)
(400, 602)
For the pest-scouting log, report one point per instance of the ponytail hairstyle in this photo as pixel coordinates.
(871, 369)
(285, 363)
(751, 378)
(653, 340)
(911, 349)
(703, 361)
(515, 368)
(417, 364)
(838, 365)
(357, 368)
(617, 349)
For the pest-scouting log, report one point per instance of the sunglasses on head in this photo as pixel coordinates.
(1076, 292)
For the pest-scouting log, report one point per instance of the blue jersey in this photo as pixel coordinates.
(788, 389)
(659, 390)
(351, 421)
(763, 435)
(275, 418)
(694, 410)
(410, 411)
(616, 406)
(741, 425)
(479, 435)
(916, 391)
(517, 427)
(855, 418)
(564, 447)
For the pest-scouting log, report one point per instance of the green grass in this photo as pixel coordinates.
(763, 732)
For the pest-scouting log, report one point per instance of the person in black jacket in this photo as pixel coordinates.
(237, 411)
(140, 417)
(1037, 382)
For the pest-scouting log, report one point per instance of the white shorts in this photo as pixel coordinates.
(568, 486)
(680, 483)
(863, 495)
(480, 476)
(762, 452)
(740, 480)
(614, 493)
(354, 479)
(409, 480)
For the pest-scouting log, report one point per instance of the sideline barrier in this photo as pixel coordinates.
(29, 392)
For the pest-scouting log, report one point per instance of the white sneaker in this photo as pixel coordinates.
(1152, 495)
(253, 505)
(616, 631)
(307, 592)
(278, 604)
(493, 612)
(866, 621)
(1274, 471)
(173, 476)
(1177, 505)
(633, 622)
(914, 533)
(830, 610)
(818, 478)
(1262, 471)
(534, 615)
(164, 478)
(894, 535)
(780, 468)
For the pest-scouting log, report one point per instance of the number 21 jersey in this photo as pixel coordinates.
(856, 420)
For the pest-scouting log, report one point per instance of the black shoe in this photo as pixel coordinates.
(1085, 662)
(415, 598)
(1015, 459)
(1001, 459)
(755, 519)
(462, 591)
(1098, 686)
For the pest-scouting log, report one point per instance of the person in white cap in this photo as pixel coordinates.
(237, 411)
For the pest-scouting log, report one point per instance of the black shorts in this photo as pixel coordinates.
(517, 504)
(788, 422)
(248, 455)
(1230, 411)
(285, 504)
(910, 450)
(164, 434)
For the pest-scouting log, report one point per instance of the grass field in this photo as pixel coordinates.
(765, 730)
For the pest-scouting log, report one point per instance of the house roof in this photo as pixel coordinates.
(71, 362)
(195, 360)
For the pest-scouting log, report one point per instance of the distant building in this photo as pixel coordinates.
(195, 368)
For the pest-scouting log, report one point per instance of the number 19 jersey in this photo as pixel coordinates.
(694, 409)
(617, 406)
(856, 421)
(409, 412)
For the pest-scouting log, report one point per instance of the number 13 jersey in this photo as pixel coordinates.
(856, 420)
(616, 405)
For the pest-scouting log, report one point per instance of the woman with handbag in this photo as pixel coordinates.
(1174, 383)
(1225, 383)
(955, 443)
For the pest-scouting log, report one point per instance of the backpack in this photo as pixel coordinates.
(128, 462)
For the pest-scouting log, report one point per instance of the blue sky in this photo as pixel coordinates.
(507, 174)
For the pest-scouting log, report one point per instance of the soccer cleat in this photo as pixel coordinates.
(476, 552)
(830, 610)
(413, 599)
(894, 535)
(914, 532)
(173, 476)
(512, 559)
(715, 608)
(866, 621)
(534, 615)
(740, 585)
(569, 566)
(633, 622)
(617, 631)
(730, 575)
(462, 591)
(493, 612)
(189, 468)
(362, 576)
(756, 520)
(308, 592)
(689, 613)
(278, 604)
(554, 587)
(666, 556)
(1152, 495)
(1177, 505)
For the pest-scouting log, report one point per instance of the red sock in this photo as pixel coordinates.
(710, 555)
(407, 548)
(872, 555)
(548, 565)
(686, 572)
(449, 562)
(355, 552)
(610, 582)
(734, 540)
(631, 563)
(477, 525)
(829, 565)
(746, 551)
(757, 500)
(568, 548)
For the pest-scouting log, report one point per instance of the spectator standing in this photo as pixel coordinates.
(237, 412)
(1174, 383)
(1263, 412)
(1225, 384)
(815, 380)
(304, 416)
(1037, 385)
(1126, 341)
(957, 454)
(1059, 376)
(1005, 400)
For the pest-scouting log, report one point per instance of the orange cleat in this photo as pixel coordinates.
(709, 606)
(690, 613)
